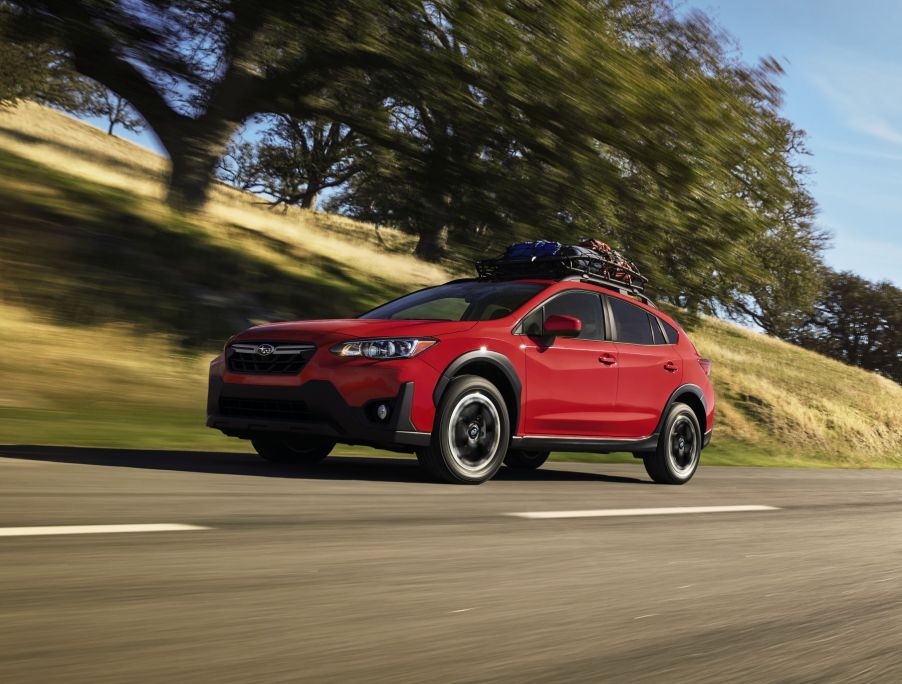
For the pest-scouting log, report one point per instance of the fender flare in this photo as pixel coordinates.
(496, 359)
(682, 389)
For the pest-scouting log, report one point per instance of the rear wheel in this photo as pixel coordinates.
(470, 435)
(517, 459)
(293, 450)
(679, 446)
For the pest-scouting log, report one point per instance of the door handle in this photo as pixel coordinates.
(670, 367)
(607, 359)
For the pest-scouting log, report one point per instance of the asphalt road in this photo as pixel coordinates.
(363, 571)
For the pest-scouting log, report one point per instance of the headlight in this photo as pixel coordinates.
(384, 348)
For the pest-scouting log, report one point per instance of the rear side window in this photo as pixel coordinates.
(631, 322)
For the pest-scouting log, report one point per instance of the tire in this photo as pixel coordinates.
(679, 447)
(293, 450)
(517, 459)
(470, 435)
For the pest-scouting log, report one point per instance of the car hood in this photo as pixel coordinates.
(337, 329)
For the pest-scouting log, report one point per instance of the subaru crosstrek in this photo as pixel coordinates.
(473, 374)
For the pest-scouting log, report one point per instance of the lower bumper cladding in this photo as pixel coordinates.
(315, 408)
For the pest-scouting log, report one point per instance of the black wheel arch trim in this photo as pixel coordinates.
(688, 388)
(500, 361)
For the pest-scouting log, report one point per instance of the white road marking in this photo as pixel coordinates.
(620, 512)
(95, 529)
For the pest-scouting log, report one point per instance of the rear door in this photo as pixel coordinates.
(571, 383)
(650, 368)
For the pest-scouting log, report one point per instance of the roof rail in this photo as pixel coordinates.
(613, 285)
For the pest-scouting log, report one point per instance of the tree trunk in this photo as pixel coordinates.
(194, 152)
(432, 243)
(308, 201)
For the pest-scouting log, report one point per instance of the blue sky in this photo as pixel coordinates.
(843, 85)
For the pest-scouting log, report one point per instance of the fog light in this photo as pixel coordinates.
(382, 411)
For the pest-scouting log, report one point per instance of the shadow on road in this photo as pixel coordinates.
(334, 468)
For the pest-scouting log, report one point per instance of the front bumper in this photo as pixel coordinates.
(320, 411)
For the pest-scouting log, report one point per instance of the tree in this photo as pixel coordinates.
(117, 111)
(196, 69)
(858, 322)
(780, 274)
(42, 72)
(292, 161)
(439, 177)
(575, 118)
(37, 71)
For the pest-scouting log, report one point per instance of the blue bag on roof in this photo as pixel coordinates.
(527, 251)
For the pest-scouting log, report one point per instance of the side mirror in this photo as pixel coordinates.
(562, 326)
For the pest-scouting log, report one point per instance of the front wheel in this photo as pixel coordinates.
(679, 446)
(293, 450)
(470, 435)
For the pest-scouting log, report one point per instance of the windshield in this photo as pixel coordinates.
(466, 301)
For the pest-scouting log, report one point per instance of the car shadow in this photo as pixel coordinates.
(378, 469)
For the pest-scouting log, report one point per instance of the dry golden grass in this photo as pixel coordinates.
(777, 404)
(61, 142)
(102, 386)
(772, 391)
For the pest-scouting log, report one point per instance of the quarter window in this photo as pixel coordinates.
(670, 331)
(656, 333)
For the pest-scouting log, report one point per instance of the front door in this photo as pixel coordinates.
(571, 383)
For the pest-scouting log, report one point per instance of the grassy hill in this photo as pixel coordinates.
(111, 306)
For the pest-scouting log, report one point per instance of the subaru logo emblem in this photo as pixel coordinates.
(265, 349)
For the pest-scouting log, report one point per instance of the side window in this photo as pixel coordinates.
(670, 331)
(586, 306)
(656, 334)
(631, 322)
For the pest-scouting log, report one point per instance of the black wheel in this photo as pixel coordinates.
(470, 435)
(293, 450)
(517, 459)
(676, 458)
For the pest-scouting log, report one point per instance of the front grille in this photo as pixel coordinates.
(263, 408)
(263, 358)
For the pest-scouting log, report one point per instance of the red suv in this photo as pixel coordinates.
(473, 374)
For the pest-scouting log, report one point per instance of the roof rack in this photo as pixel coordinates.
(591, 268)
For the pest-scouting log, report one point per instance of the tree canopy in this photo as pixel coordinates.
(856, 321)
